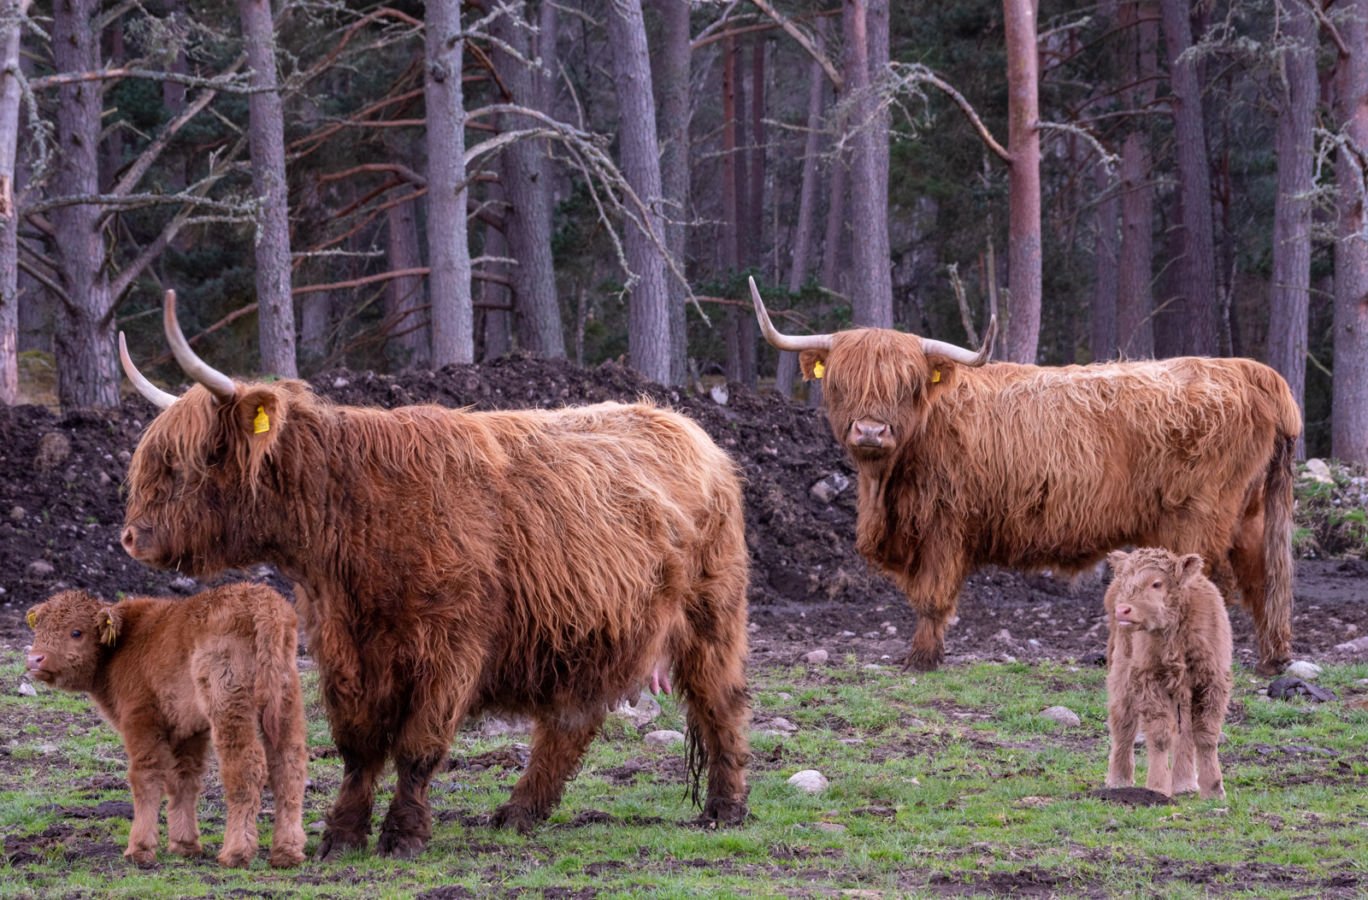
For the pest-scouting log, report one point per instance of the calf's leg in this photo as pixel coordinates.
(1160, 732)
(1121, 723)
(149, 764)
(559, 740)
(242, 763)
(186, 781)
(287, 767)
(1184, 752)
(1209, 711)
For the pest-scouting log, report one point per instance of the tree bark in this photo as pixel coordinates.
(1106, 257)
(527, 188)
(266, 138)
(1134, 289)
(10, 11)
(448, 248)
(1349, 400)
(1023, 143)
(648, 315)
(1290, 291)
(672, 89)
(404, 297)
(496, 332)
(1196, 281)
(871, 282)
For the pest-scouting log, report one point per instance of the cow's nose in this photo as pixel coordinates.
(129, 539)
(867, 432)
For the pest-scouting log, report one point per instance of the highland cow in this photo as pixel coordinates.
(962, 464)
(1168, 671)
(172, 677)
(450, 562)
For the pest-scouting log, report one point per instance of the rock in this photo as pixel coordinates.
(40, 568)
(319, 825)
(1318, 471)
(26, 690)
(53, 449)
(830, 487)
(719, 395)
(1004, 636)
(663, 738)
(645, 710)
(1307, 671)
(340, 382)
(495, 726)
(777, 726)
(890, 629)
(829, 827)
(809, 781)
(1289, 688)
(1062, 715)
(1357, 645)
(17, 513)
(184, 584)
(816, 657)
(45, 749)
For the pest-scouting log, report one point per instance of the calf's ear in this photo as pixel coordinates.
(1189, 567)
(813, 364)
(32, 617)
(108, 622)
(1116, 558)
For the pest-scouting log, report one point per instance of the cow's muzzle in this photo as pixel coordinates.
(869, 434)
(135, 542)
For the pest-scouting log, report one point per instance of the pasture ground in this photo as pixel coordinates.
(947, 783)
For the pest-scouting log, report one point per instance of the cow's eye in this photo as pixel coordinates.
(76, 633)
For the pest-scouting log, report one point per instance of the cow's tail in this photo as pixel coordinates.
(1275, 638)
(274, 641)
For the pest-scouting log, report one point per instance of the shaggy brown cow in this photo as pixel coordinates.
(1035, 467)
(450, 561)
(172, 675)
(1168, 658)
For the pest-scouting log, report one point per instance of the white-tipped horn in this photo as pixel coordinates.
(218, 384)
(158, 397)
(784, 341)
(963, 355)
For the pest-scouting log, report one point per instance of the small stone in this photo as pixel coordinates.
(809, 781)
(1033, 643)
(184, 584)
(317, 826)
(494, 726)
(643, 711)
(53, 449)
(103, 478)
(830, 487)
(1357, 645)
(17, 513)
(340, 382)
(890, 629)
(846, 634)
(26, 690)
(40, 568)
(816, 657)
(46, 749)
(1062, 715)
(719, 395)
(663, 738)
(1307, 671)
(784, 695)
(1004, 636)
(829, 827)
(779, 725)
(1317, 470)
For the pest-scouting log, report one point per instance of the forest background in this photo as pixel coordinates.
(388, 185)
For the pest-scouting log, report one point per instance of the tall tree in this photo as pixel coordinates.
(526, 180)
(648, 314)
(12, 13)
(672, 89)
(404, 298)
(1196, 274)
(453, 334)
(1023, 143)
(266, 136)
(1349, 433)
(1106, 255)
(871, 287)
(1134, 287)
(1297, 90)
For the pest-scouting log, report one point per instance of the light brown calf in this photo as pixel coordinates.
(1168, 656)
(172, 675)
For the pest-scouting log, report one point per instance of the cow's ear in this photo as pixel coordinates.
(108, 622)
(260, 415)
(1189, 567)
(941, 373)
(813, 364)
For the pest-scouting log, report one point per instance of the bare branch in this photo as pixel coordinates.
(804, 41)
(57, 290)
(226, 85)
(908, 75)
(1335, 37)
(966, 317)
(1109, 160)
(360, 282)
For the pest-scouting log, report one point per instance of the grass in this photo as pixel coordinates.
(948, 782)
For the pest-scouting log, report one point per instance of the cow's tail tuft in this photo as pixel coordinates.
(695, 761)
(1275, 641)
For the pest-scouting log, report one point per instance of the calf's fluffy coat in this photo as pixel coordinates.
(173, 675)
(1168, 655)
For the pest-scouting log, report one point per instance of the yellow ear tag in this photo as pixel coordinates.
(262, 423)
(818, 369)
(108, 634)
(32, 619)
(935, 376)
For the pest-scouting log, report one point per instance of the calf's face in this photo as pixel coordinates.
(71, 633)
(1147, 586)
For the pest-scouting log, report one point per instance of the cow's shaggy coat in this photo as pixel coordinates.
(1035, 467)
(172, 677)
(450, 562)
(1168, 671)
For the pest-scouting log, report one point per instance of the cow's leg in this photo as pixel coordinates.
(287, 766)
(933, 593)
(1272, 628)
(408, 823)
(349, 820)
(712, 683)
(149, 764)
(182, 824)
(559, 740)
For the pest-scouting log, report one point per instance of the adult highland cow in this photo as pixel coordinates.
(449, 562)
(963, 464)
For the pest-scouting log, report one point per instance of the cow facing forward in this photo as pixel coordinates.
(962, 464)
(172, 676)
(448, 561)
(1168, 670)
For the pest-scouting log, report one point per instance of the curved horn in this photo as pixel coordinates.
(220, 385)
(960, 354)
(784, 341)
(158, 397)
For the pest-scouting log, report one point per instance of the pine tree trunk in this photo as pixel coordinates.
(1349, 431)
(1106, 257)
(672, 89)
(1134, 288)
(496, 333)
(404, 297)
(648, 315)
(1023, 143)
(526, 180)
(1197, 303)
(453, 335)
(11, 11)
(266, 138)
(871, 282)
(1290, 292)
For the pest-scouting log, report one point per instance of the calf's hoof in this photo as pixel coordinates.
(236, 857)
(188, 849)
(335, 843)
(141, 857)
(719, 811)
(512, 815)
(1216, 793)
(286, 857)
(1184, 789)
(400, 845)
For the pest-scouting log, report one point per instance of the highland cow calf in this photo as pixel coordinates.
(172, 675)
(1168, 655)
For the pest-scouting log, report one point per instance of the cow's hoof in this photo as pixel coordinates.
(335, 843)
(511, 815)
(399, 845)
(923, 660)
(141, 857)
(236, 858)
(286, 857)
(1216, 793)
(721, 811)
(1272, 667)
(188, 849)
